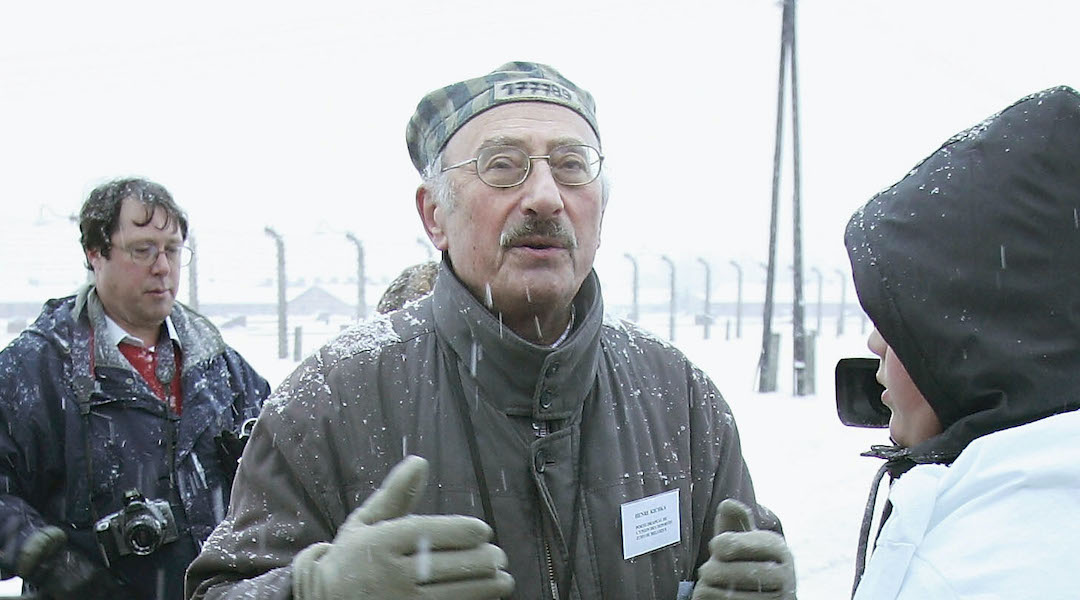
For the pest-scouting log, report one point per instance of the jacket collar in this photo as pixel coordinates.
(117, 334)
(519, 377)
(198, 337)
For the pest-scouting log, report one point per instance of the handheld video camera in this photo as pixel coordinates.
(139, 528)
(858, 394)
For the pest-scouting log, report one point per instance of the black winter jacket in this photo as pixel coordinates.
(52, 409)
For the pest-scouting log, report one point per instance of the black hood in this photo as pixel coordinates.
(969, 267)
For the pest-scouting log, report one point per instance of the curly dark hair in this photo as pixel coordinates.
(100, 214)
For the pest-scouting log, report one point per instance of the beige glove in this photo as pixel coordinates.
(383, 552)
(745, 563)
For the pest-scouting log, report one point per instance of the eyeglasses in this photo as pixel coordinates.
(507, 166)
(147, 254)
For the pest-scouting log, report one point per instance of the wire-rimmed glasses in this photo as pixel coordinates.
(508, 166)
(146, 254)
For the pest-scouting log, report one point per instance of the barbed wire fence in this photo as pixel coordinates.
(234, 280)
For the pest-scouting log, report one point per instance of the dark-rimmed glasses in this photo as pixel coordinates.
(508, 166)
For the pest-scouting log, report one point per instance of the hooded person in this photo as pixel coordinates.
(969, 268)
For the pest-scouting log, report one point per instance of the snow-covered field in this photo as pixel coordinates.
(805, 464)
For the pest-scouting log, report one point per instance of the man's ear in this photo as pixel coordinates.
(431, 216)
(94, 259)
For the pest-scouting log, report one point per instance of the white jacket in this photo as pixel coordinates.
(1002, 522)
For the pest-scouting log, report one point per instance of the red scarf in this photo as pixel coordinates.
(145, 362)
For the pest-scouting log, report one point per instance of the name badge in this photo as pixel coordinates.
(650, 523)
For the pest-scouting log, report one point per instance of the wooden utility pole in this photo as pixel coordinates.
(193, 273)
(282, 304)
(361, 278)
(804, 378)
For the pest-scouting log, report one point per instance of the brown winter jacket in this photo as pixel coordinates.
(651, 422)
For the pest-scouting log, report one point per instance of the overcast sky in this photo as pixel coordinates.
(293, 115)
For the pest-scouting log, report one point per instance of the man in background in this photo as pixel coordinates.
(413, 283)
(121, 410)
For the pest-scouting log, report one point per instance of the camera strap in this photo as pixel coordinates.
(85, 386)
(569, 546)
(452, 363)
(83, 382)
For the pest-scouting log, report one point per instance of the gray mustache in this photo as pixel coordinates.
(549, 229)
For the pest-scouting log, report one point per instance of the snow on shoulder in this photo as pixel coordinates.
(369, 336)
(633, 331)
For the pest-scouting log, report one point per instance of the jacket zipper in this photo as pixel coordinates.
(551, 571)
(541, 429)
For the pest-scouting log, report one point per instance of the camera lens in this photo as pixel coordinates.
(143, 535)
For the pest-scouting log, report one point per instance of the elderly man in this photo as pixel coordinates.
(121, 409)
(567, 456)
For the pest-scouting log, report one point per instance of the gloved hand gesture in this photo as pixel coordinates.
(383, 552)
(59, 571)
(745, 563)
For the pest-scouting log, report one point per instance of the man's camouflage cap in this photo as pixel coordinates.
(442, 112)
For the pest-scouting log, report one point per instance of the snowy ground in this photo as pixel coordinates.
(805, 464)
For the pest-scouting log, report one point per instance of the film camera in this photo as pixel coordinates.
(139, 528)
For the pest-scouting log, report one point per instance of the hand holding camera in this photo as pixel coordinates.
(60, 572)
